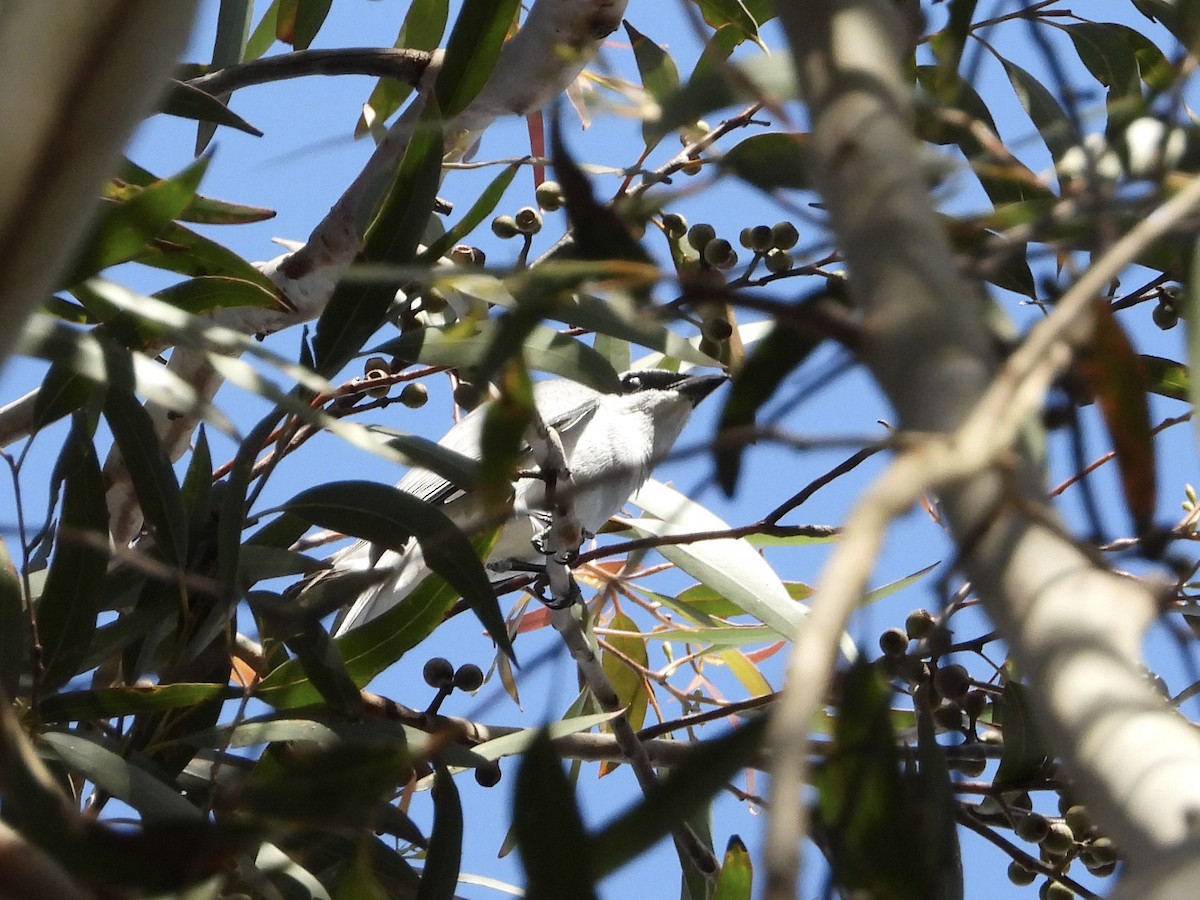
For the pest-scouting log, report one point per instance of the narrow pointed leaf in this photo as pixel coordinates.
(150, 471)
(736, 880)
(440, 875)
(123, 230)
(483, 207)
(67, 609)
(770, 161)
(1114, 372)
(471, 51)
(188, 102)
(544, 805)
(423, 26)
(387, 517)
(686, 789)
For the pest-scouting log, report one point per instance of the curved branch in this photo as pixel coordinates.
(381, 62)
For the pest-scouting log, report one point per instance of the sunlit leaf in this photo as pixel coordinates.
(206, 210)
(736, 880)
(422, 29)
(124, 229)
(1166, 377)
(471, 52)
(111, 703)
(659, 76)
(626, 680)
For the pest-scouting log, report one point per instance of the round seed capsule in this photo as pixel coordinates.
(469, 677)
(529, 220)
(785, 234)
(438, 672)
(1019, 875)
(779, 261)
(719, 253)
(505, 227)
(414, 395)
(488, 775)
(893, 642)
(674, 225)
(549, 196)
(919, 623)
(699, 236)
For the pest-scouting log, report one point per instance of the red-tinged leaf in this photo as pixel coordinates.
(757, 656)
(1117, 376)
(285, 20)
(536, 123)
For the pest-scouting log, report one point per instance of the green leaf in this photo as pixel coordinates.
(688, 788)
(440, 875)
(770, 161)
(387, 517)
(1110, 59)
(1166, 377)
(326, 670)
(263, 35)
(123, 230)
(938, 807)
(150, 472)
(1024, 754)
(659, 76)
(335, 785)
(358, 309)
(310, 16)
(208, 293)
(471, 52)
(730, 566)
(948, 44)
(544, 804)
(14, 626)
(466, 345)
(62, 392)
(105, 364)
(67, 609)
(205, 210)
(736, 880)
(156, 800)
(111, 703)
(183, 251)
(188, 102)
(229, 44)
(784, 348)
(461, 471)
(423, 26)
(866, 810)
(1044, 110)
(744, 17)
(480, 210)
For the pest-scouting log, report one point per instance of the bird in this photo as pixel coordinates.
(611, 441)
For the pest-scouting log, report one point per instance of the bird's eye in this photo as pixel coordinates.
(633, 382)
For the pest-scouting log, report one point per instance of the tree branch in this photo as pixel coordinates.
(1074, 629)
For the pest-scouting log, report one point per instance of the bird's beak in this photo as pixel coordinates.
(697, 387)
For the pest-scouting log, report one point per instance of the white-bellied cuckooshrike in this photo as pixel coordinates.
(610, 442)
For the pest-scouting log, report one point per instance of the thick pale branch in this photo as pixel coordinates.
(1073, 627)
